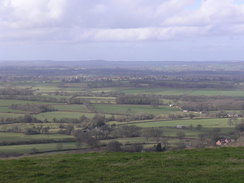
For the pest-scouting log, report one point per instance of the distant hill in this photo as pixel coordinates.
(159, 65)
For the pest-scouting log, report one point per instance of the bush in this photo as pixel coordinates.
(34, 150)
(59, 147)
(114, 146)
(181, 134)
(240, 127)
(134, 148)
(84, 137)
(158, 147)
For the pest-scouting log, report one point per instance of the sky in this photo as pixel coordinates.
(148, 30)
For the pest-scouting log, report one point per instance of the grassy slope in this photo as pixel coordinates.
(189, 166)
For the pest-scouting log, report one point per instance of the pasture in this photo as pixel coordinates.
(206, 123)
(184, 91)
(61, 115)
(70, 107)
(4, 115)
(37, 148)
(132, 109)
(9, 102)
(22, 127)
(20, 137)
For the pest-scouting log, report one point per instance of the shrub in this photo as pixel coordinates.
(114, 146)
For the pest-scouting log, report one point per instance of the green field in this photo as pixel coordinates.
(7, 103)
(224, 165)
(62, 115)
(183, 91)
(130, 140)
(52, 88)
(123, 109)
(207, 123)
(147, 143)
(26, 149)
(59, 115)
(173, 91)
(172, 132)
(156, 91)
(24, 126)
(20, 137)
(8, 110)
(70, 107)
(99, 99)
(10, 115)
(230, 93)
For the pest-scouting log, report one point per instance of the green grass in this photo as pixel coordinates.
(7, 103)
(62, 114)
(25, 126)
(108, 89)
(132, 140)
(20, 137)
(51, 88)
(70, 107)
(100, 99)
(172, 132)
(156, 91)
(231, 93)
(45, 88)
(122, 109)
(207, 123)
(129, 140)
(59, 115)
(184, 91)
(223, 165)
(10, 115)
(8, 110)
(25, 149)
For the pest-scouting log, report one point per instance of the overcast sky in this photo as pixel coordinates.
(122, 29)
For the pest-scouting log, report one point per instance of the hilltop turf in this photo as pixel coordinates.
(222, 165)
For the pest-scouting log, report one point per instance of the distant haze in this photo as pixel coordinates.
(132, 30)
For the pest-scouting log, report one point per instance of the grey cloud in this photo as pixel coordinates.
(116, 20)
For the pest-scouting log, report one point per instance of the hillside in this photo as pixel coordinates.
(222, 165)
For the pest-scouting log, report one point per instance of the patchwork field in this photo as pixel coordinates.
(56, 108)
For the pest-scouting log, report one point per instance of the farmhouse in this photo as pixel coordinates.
(223, 141)
(180, 126)
(230, 115)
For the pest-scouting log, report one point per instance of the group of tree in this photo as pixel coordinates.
(213, 105)
(41, 98)
(133, 116)
(37, 130)
(34, 108)
(22, 119)
(16, 91)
